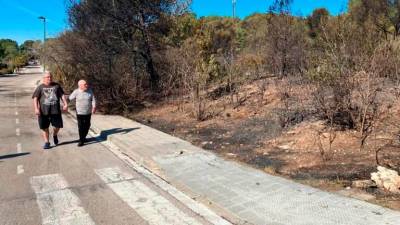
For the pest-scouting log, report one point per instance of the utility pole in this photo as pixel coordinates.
(44, 41)
(234, 9)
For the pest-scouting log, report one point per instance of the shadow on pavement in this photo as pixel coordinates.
(14, 155)
(68, 142)
(8, 75)
(101, 137)
(105, 133)
(29, 73)
(5, 90)
(92, 140)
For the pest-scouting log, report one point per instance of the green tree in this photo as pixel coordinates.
(255, 27)
(384, 14)
(10, 47)
(185, 26)
(10, 55)
(2, 53)
(19, 60)
(30, 49)
(27, 45)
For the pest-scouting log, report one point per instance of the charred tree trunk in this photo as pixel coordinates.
(147, 55)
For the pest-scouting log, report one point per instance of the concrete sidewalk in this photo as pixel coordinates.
(239, 193)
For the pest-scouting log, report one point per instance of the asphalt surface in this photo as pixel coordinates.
(69, 184)
(130, 173)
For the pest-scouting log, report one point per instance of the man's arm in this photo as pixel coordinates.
(36, 96)
(36, 105)
(72, 96)
(65, 103)
(93, 105)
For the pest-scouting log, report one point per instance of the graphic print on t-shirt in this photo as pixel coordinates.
(50, 96)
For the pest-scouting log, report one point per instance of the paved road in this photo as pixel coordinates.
(71, 185)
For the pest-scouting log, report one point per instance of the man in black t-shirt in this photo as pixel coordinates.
(46, 102)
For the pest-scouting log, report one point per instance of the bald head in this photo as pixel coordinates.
(83, 85)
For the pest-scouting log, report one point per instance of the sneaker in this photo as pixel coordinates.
(55, 138)
(80, 144)
(46, 145)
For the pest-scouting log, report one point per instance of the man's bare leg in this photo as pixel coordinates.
(55, 131)
(45, 134)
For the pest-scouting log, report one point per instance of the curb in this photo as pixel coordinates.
(197, 207)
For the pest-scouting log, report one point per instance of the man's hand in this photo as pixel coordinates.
(65, 103)
(36, 106)
(93, 110)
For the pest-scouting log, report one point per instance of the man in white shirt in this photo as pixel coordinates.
(85, 104)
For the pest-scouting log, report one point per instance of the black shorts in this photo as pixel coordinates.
(45, 121)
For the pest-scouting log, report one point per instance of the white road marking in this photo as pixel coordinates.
(19, 148)
(16, 113)
(196, 207)
(18, 132)
(17, 121)
(20, 169)
(57, 203)
(150, 205)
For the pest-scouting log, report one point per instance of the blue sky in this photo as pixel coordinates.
(18, 18)
(247, 7)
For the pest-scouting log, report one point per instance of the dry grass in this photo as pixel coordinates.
(250, 134)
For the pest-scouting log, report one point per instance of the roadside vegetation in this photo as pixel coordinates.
(14, 57)
(313, 97)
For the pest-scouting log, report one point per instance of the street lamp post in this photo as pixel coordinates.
(234, 9)
(44, 41)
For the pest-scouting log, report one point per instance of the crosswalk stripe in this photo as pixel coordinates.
(195, 206)
(20, 169)
(19, 148)
(150, 205)
(57, 203)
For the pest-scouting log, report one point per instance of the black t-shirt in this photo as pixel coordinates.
(49, 98)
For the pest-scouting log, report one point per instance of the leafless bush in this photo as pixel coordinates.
(290, 111)
(326, 153)
(365, 100)
(189, 73)
(349, 88)
(251, 68)
(285, 91)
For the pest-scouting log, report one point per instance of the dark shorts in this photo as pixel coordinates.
(45, 121)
